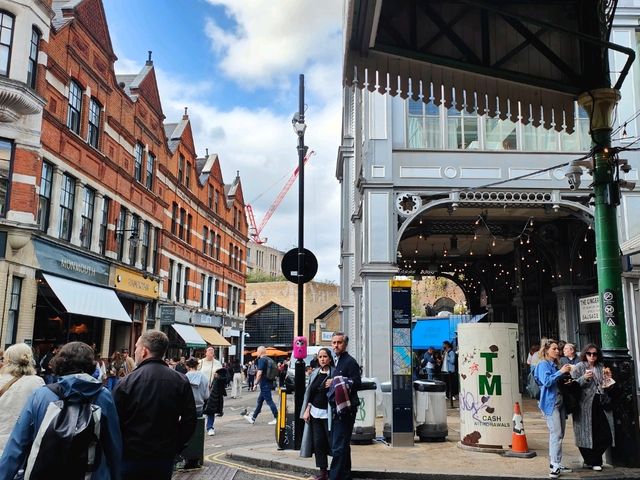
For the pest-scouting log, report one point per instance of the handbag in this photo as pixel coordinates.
(571, 395)
(606, 402)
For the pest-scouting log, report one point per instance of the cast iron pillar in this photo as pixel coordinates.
(600, 104)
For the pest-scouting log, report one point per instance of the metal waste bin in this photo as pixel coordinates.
(430, 410)
(364, 428)
(385, 387)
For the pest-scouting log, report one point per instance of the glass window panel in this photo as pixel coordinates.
(499, 134)
(6, 148)
(424, 125)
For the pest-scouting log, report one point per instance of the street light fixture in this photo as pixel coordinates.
(134, 238)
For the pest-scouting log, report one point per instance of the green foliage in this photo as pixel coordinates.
(262, 277)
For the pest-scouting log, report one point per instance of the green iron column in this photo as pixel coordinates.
(600, 104)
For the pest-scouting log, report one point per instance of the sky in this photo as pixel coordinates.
(235, 64)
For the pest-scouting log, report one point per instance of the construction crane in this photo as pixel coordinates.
(255, 231)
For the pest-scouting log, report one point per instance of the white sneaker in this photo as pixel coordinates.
(597, 468)
(273, 422)
(211, 432)
(249, 419)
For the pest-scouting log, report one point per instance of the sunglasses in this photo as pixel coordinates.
(591, 354)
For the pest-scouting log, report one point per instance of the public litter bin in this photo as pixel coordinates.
(364, 428)
(385, 387)
(430, 410)
(193, 452)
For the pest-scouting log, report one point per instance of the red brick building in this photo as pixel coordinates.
(105, 211)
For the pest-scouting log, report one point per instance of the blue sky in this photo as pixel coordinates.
(235, 65)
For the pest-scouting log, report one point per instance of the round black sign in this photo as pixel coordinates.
(290, 265)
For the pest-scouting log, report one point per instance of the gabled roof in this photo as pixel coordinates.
(234, 191)
(88, 12)
(143, 84)
(327, 312)
(178, 133)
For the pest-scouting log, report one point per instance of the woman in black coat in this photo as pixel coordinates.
(215, 403)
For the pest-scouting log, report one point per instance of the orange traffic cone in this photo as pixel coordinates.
(519, 447)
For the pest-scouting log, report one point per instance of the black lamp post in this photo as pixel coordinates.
(299, 127)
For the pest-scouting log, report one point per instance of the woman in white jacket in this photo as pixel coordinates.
(17, 380)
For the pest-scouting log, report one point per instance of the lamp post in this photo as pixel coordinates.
(600, 104)
(299, 127)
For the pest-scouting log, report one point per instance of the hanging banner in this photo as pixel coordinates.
(488, 371)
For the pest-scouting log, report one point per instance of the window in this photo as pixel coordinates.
(205, 238)
(424, 125)
(86, 229)
(209, 292)
(187, 277)
(6, 39)
(67, 197)
(75, 107)
(6, 154)
(189, 222)
(499, 134)
(32, 67)
(170, 279)
(462, 130)
(137, 164)
(579, 140)
(144, 250)
(180, 169)
(240, 260)
(156, 247)
(104, 221)
(216, 288)
(183, 221)
(187, 176)
(135, 234)
(122, 219)
(210, 197)
(218, 243)
(212, 241)
(174, 217)
(203, 285)
(14, 311)
(44, 196)
(94, 123)
(229, 301)
(216, 200)
(230, 254)
(151, 161)
(178, 281)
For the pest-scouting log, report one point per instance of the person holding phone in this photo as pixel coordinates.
(316, 412)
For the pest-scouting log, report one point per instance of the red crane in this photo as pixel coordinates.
(255, 231)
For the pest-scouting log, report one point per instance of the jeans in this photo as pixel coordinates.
(341, 431)
(556, 423)
(265, 396)
(210, 420)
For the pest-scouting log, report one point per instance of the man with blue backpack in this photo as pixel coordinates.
(67, 428)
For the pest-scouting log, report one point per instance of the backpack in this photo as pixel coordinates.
(67, 440)
(272, 370)
(252, 370)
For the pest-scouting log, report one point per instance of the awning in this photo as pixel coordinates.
(631, 246)
(189, 335)
(90, 300)
(212, 337)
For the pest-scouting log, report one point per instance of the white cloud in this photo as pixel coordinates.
(273, 39)
(267, 46)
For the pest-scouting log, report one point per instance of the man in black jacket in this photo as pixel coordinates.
(156, 409)
(342, 424)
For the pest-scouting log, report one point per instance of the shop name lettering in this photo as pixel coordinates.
(138, 285)
(488, 383)
(77, 267)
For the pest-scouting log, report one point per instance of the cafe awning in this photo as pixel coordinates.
(212, 337)
(90, 300)
(189, 335)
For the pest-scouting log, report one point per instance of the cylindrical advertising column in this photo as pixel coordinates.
(488, 371)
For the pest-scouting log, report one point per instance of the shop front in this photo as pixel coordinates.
(74, 301)
(208, 327)
(139, 295)
(233, 331)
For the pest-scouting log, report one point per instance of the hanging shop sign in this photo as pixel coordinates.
(206, 320)
(58, 260)
(488, 373)
(132, 282)
(171, 314)
(589, 309)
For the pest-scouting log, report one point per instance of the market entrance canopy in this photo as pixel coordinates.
(506, 58)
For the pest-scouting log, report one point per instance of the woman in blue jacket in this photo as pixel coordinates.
(73, 365)
(549, 374)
